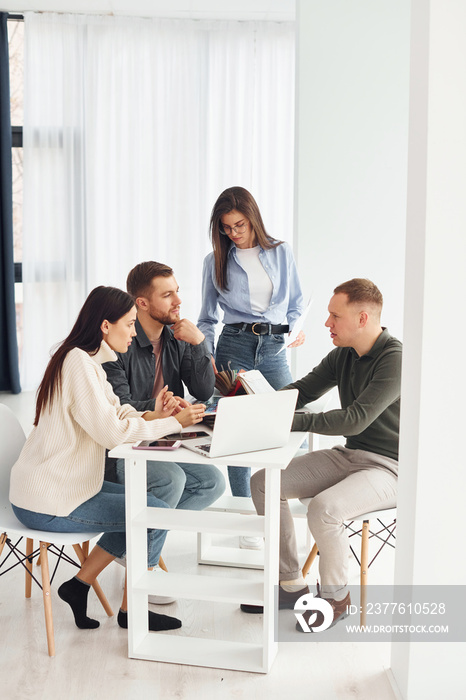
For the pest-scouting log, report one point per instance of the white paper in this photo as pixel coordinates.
(297, 327)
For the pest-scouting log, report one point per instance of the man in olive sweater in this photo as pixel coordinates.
(345, 481)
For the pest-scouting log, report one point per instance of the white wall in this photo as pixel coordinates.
(350, 220)
(432, 484)
(352, 125)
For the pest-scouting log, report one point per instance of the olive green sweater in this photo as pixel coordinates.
(369, 388)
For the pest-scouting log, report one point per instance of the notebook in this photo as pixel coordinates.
(254, 382)
(249, 423)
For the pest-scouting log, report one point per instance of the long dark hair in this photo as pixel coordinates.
(240, 199)
(103, 303)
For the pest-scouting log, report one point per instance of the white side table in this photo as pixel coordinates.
(197, 651)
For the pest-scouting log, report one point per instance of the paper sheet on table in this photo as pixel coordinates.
(297, 327)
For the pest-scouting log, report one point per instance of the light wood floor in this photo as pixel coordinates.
(92, 665)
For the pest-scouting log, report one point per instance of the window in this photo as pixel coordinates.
(16, 51)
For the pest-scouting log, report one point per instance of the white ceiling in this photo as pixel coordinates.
(277, 10)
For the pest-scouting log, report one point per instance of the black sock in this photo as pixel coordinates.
(75, 592)
(157, 622)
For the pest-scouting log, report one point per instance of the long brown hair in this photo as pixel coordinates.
(103, 303)
(240, 199)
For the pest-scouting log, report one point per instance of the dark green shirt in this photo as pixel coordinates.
(369, 388)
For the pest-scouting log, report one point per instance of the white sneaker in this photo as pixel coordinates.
(154, 599)
(160, 599)
(250, 542)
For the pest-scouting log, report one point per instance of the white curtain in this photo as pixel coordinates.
(132, 128)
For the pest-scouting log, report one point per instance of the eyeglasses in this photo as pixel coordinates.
(227, 230)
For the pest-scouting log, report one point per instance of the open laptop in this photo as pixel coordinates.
(248, 423)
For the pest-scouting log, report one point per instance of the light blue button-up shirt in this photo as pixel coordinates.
(286, 303)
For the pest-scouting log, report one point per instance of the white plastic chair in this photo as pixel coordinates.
(12, 439)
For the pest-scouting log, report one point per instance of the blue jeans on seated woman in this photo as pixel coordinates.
(182, 486)
(104, 512)
(237, 349)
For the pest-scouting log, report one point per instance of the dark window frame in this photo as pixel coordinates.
(17, 136)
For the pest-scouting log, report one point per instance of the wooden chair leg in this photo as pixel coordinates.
(162, 564)
(309, 560)
(28, 573)
(96, 585)
(44, 562)
(364, 568)
(38, 562)
(3, 539)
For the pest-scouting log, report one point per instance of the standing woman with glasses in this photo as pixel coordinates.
(252, 277)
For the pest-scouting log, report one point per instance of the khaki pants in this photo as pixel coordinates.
(342, 483)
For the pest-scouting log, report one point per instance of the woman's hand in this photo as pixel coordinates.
(182, 403)
(300, 338)
(191, 415)
(165, 405)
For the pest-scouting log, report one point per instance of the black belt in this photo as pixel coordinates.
(260, 328)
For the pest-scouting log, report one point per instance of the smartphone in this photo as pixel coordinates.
(211, 406)
(157, 445)
(188, 436)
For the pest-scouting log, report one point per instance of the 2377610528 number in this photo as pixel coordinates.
(406, 608)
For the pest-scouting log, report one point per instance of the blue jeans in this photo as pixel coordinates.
(237, 349)
(104, 512)
(183, 486)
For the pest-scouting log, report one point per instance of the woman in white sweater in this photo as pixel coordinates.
(58, 482)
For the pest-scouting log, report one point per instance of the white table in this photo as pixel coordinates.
(197, 651)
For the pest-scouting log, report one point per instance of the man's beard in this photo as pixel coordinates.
(164, 320)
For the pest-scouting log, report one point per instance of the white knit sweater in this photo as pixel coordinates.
(62, 463)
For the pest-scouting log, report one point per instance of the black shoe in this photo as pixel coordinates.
(286, 601)
(157, 623)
